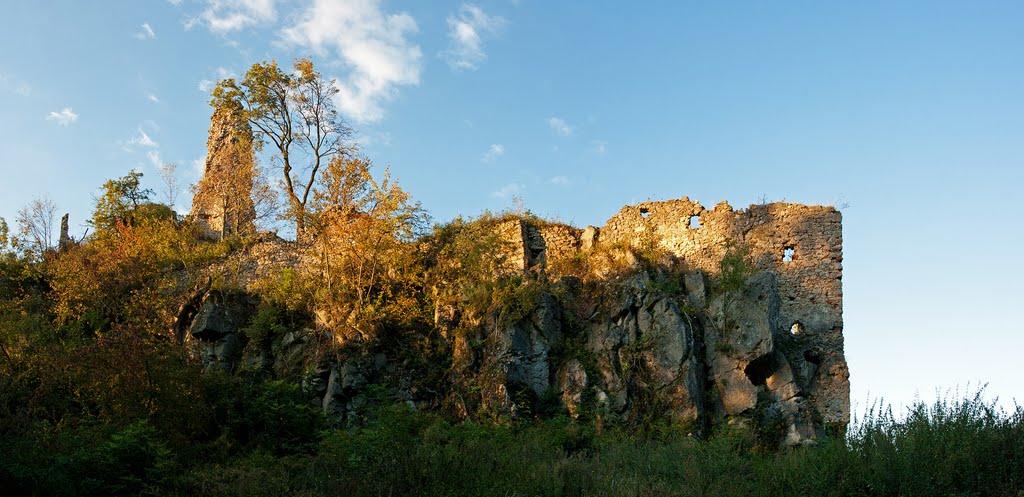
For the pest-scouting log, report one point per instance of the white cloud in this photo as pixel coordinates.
(560, 180)
(174, 2)
(199, 166)
(12, 84)
(143, 140)
(370, 43)
(493, 152)
(508, 190)
(560, 126)
(465, 32)
(599, 147)
(224, 16)
(374, 138)
(152, 98)
(64, 117)
(154, 158)
(146, 33)
(206, 85)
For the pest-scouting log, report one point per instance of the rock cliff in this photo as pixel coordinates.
(668, 313)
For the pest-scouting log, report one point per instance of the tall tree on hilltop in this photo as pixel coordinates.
(296, 114)
(120, 200)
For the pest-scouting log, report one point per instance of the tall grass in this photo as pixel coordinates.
(965, 447)
(960, 447)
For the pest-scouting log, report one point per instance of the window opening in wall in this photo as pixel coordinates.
(644, 212)
(796, 329)
(788, 254)
(694, 222)
(812, 357)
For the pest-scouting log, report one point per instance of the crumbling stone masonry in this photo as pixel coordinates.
(223, 202)
(800, 360)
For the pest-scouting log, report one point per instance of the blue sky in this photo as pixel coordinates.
(909, 115)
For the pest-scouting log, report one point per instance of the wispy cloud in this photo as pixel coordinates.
(146, 33)
(152, 98)
(560, 180)
(374, 138)
(14, 85)
(225, 16)
(599, 147)
(205, 85)
(154, 158)
(558, 125)
(141, 140)
(466, 31)
(371, 44)
(199, 166)
(493, 152)
(63, 117)
(508, 190)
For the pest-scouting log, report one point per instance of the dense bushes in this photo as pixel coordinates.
(952, 448)
(273, 446)
(97, 399)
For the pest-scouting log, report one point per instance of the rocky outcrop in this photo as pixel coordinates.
(644, 348)
(633, 322)
(64, 242)
(215, 334)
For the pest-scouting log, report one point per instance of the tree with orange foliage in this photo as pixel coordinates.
(364, 229)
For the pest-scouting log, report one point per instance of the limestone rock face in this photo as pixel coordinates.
(215, 334)
(629, 322)
(515, 364)
(646, 344)
(573, 382)
(223, 202)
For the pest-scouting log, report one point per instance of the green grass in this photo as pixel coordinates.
(956, 448)
(962, 447)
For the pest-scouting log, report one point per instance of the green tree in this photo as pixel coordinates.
(120, 201)
(295, 113)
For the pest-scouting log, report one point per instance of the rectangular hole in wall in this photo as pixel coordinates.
(644, 212)
(788, 254)
(694, 222)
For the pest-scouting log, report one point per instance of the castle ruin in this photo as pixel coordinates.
(223, 203)
(797, 354)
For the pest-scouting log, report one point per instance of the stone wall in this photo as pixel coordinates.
(800, 244)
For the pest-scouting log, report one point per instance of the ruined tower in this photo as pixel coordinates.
(223, 202)
(770, 351)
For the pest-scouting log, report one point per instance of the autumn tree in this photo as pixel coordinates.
(295, 113)
(364, 228)
(120, 201)
(36, 223)
(4, 236)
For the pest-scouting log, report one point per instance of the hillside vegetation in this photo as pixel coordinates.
(379, 354)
